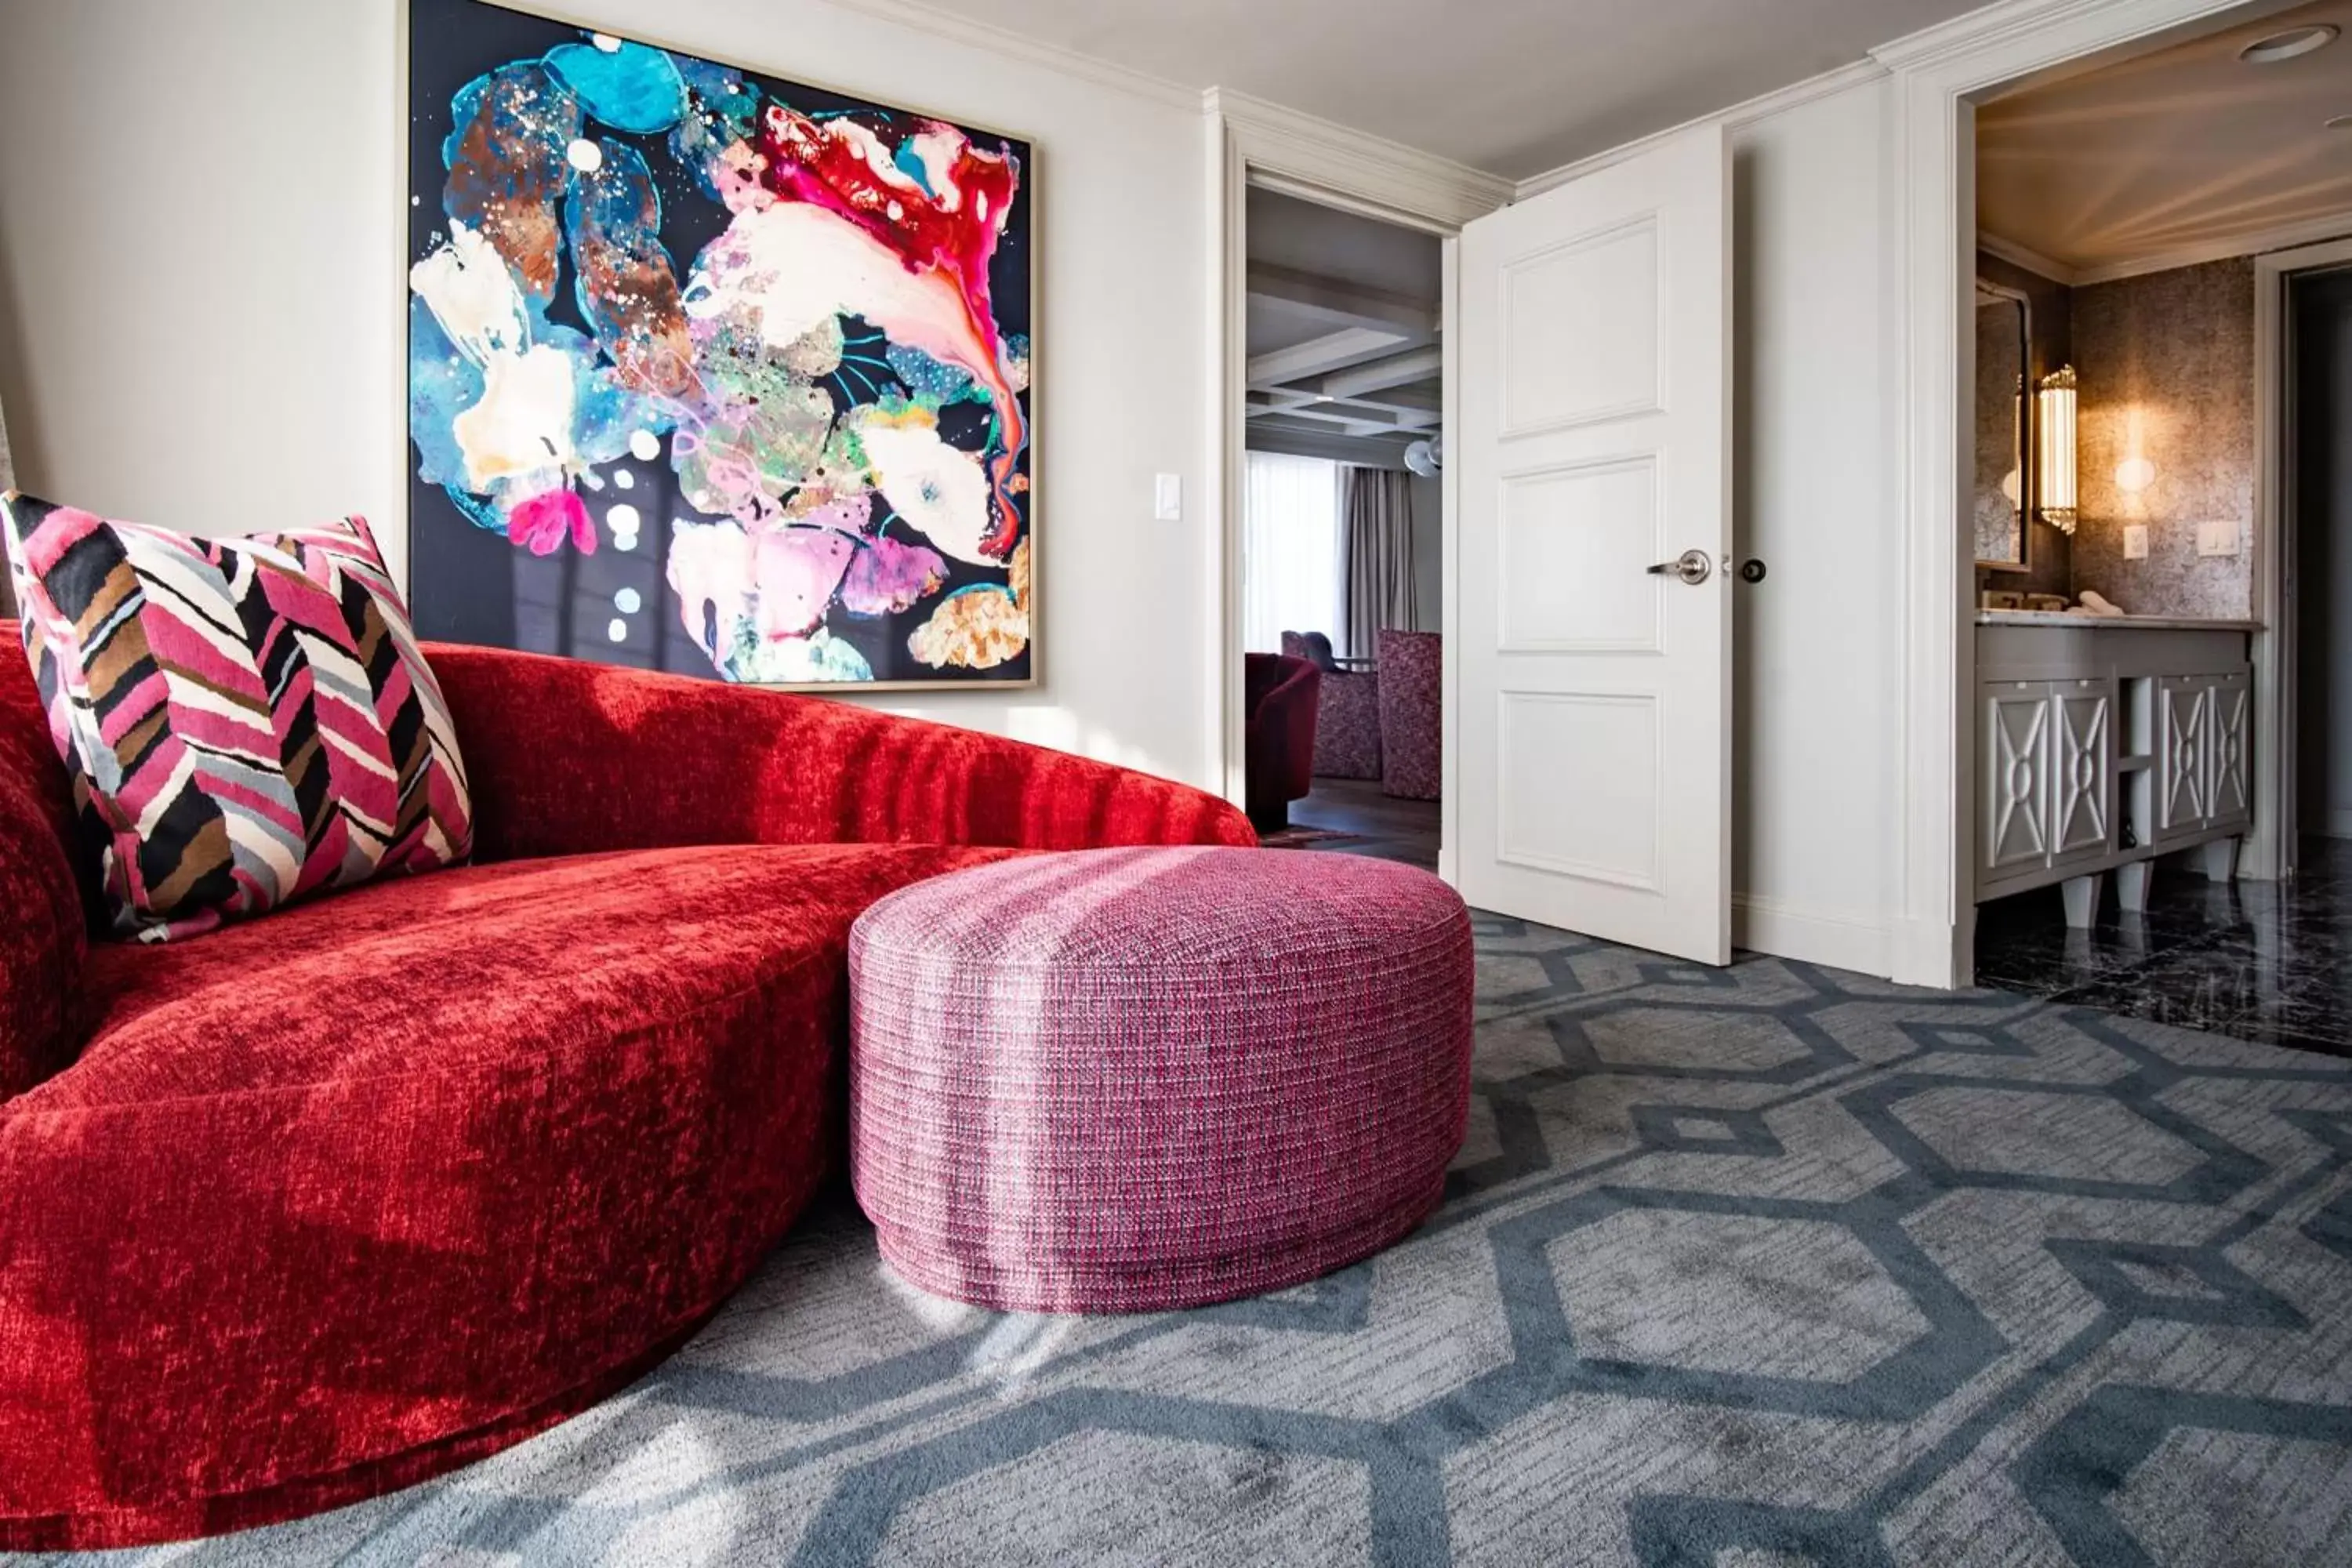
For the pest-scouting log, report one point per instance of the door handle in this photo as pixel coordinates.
(1692, 566)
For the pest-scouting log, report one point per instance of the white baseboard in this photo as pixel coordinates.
(1810, 936)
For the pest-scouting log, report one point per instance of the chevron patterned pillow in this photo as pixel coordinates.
(248, 721)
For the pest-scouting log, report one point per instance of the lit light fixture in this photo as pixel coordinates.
(2055, 468)
(2292, 43)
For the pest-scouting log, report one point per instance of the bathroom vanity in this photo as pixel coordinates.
(2104, 742)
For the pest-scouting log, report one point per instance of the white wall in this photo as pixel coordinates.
(200, 254)
(1815, 499)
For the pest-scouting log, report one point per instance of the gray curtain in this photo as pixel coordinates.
(1376, 548)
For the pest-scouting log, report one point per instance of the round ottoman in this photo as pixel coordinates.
(1132, 1079)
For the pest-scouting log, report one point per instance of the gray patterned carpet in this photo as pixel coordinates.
(1764, 1267)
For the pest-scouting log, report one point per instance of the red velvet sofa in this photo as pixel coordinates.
(323, 1204)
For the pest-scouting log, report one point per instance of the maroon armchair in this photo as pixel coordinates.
(324, 1203)
(1279, 754)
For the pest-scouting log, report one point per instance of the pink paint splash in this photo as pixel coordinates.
(540, 523)
(835, 165)
(889, 576)
(797, 569)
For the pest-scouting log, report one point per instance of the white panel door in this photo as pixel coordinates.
(1592, 438)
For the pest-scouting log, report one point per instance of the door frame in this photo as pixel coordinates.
(1252, 142)
(1937, 76)
(2271, 846)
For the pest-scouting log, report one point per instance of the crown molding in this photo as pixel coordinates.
(1992, 29)
(2287, 236)
(1006, 44)
(1419, 188)
(1314, 151)
(2033, 261)
(1764, 106)
(1983, 28)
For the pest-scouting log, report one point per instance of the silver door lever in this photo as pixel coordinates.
(1692, 566)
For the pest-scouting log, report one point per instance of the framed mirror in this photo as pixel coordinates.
(2004, 427)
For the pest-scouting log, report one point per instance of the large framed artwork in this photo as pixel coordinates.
(712, 372)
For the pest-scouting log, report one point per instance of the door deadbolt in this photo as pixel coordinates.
(1692, 566)
(1751, 570)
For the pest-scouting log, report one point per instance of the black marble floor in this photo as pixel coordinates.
(2269, 962)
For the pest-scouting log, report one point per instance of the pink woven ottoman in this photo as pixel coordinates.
(1130, 1080)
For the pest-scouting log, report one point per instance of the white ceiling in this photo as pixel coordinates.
(1343, 329)
(1512, 87)
(2181, 153)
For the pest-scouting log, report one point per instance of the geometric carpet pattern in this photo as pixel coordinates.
(1765, 1266)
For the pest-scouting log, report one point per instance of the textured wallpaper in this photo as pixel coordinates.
(2166, 364)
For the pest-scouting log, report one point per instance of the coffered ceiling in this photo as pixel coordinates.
(1343, 332)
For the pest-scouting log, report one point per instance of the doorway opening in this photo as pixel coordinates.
(1339, 559)
(2150, 402)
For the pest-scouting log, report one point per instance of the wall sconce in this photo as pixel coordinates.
(2055, 468)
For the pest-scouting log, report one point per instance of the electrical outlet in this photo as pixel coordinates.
(2135, 541)
(2217, 538)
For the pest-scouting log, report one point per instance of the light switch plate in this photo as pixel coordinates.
(1167, 498)
(2217, 538)
(2135, 541)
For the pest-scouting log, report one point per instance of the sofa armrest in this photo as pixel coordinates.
(565, 757)
(44, 923)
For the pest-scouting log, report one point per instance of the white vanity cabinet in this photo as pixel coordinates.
(2103, 743)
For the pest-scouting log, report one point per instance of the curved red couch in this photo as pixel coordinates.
(323, 1204)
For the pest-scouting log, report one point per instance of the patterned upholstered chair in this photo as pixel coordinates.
(1411, 714)
(1347, 714)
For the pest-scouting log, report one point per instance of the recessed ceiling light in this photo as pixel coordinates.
(2339, 122)
(2289, 45)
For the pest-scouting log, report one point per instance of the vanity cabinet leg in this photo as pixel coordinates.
(2222, 860)
(2081, 901)
(2131, 886)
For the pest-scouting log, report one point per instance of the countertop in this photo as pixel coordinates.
(2111, 623)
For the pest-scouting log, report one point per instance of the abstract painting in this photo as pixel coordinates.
(711, 371)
